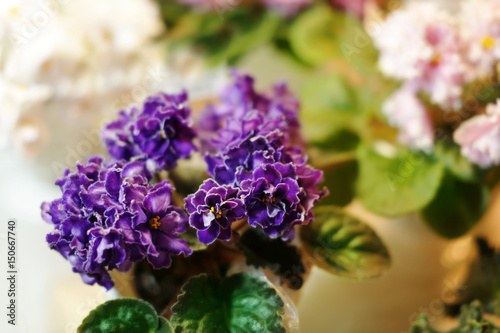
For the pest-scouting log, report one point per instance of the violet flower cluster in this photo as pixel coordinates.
(257, 172)
(109, 217)
(437, 55)
(160, 133)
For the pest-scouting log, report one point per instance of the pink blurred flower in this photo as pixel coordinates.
(480, 137)
(480, 30)
(406, 112)
(420, 45)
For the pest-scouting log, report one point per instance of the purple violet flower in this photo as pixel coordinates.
(109, 217)
(243, 113)
(161, 132)
(213, 209)
(158, 222)
(255, 150)
(238, 163)
(272, 201)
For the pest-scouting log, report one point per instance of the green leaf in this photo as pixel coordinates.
(281, 257)
(124, 315)
(340, 179)
(455, 162)
(238, 303)
(344, 246)
(224, 36)
(343, 140)
(456, 208)
(329, 106)
(322, 34)
(400, 185)
(471, 321)
(422, 325)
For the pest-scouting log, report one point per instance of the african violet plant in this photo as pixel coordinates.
(255, 190)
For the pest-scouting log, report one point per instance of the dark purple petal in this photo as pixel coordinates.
(210, 235)
(158, 201)
(162, 260)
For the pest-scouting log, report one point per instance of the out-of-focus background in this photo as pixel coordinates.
(66, 67)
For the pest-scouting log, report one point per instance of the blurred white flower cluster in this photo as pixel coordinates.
(71, 53)
(437, 55)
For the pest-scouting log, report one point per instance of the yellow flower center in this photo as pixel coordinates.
(217, 214)
(266, 199)
(154, 223)
(488, 42)
(436, 58)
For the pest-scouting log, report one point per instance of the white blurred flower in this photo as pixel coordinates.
(419, 44)
(16, 100)
(79, 51)
(407, 113)
(480, 30)
(480, 137)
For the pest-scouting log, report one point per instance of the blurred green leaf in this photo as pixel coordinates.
(322, 34)
(340, 141)
(449, 154)
(400, 185)
(340, 179)
(329, 105)
(224, 36)
(456, 208)
(471, 321)
(124, 315)
(238, 303)
(344, 246)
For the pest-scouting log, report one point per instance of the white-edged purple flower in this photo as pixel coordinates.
(160, 132)
(238, 163)
(256, 132)
(272, 200)
(406, 112)
(213, 208)
(243, 113)
(158, 221)
(479, 137)
(109, 217)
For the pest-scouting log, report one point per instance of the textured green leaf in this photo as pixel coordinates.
(124, 315)
(471, 321)
(238, 303)
(281, 257)
(456, 208)
(344, 246)
(399, 185)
